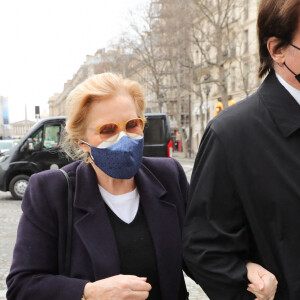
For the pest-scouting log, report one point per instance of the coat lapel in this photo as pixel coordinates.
(163, 224)
(94, 228)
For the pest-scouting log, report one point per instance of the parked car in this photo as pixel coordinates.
(40, 150)
(157, 141)
(6, 145)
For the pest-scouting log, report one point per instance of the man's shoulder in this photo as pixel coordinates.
(243, 113)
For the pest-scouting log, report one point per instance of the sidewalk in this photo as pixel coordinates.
(180, 157)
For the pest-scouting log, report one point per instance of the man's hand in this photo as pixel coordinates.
(263, 283)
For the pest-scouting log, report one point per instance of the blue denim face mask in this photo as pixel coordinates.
(120, 160)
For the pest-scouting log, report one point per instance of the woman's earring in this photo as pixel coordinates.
(88, 159)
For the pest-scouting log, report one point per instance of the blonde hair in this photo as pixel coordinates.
(78, 102)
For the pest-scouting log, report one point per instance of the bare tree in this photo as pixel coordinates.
(212, 34)
(162, 60)
(246, 63)
(175, 23)
(114, 58)
(148, 60)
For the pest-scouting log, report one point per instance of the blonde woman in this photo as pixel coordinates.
(128, 210)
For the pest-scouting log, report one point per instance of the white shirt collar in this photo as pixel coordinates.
(293, 91)
(125, 206)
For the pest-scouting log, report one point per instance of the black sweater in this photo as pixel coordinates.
(136, 250)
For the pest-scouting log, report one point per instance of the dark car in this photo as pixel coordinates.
(40, 150)
(157, 141)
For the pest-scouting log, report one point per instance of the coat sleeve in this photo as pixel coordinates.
(34, 272)
(216, 235)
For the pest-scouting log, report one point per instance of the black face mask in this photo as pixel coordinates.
(297, 76)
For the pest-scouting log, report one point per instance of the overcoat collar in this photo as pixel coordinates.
(96, 233)
(283, 107)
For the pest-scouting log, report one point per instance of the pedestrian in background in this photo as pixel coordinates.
(128, 210)
(219, 106)
(230, 100)
(245, 187)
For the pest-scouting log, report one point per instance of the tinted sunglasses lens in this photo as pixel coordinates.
(135, 127)
(108, 130)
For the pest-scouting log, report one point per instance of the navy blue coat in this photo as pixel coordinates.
(39, 254)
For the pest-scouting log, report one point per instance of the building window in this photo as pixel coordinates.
(246, 76)
(233, 79)
(233, 12)
(246, 41)
(246, 9)
(197, 57)
(233, 45)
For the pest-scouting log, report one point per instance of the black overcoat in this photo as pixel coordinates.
(245, 196)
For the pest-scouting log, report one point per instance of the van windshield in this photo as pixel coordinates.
(155, 131)
(6, 145)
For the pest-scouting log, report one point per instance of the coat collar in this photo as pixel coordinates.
(95, 231)
(283, 107)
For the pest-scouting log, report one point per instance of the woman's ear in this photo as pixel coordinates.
(84, 147)
(277, 54)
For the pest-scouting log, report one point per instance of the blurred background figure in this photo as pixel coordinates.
(230, 101)
(219, 106)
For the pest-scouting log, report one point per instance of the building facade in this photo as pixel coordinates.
(103, 61)
(4, 118)
(185, 61)
(236, 53)
(20, 128)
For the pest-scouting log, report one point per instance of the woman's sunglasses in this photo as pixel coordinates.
(133, 128)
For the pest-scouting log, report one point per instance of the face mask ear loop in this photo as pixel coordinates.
(289, 69)
(297, 76)
(90, 154)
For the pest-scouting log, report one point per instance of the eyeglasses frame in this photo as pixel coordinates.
(118, 125)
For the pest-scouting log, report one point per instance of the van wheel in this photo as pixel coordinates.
(18, 186)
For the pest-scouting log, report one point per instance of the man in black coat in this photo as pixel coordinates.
(245, 188)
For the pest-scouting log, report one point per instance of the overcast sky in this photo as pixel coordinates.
(44, 42)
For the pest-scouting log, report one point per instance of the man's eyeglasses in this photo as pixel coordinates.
(133, 128)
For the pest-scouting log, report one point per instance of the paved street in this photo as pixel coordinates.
(10, 212)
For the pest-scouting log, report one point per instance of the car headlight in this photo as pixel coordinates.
(3, 158)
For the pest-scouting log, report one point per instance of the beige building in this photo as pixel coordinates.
(103, 61)
(4, 118)
(218, 64)
(240, 58)
(20, 128)
(211, 64)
